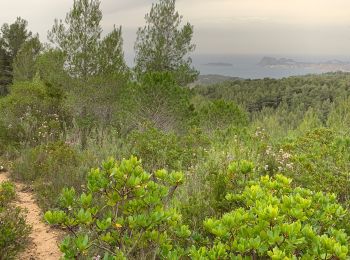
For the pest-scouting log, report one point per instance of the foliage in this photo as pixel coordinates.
(32, 114)
(9, 140)
(294, 94)
(13, 229)
(206, 186)
(49, 65)
(24, 68)
(319, 160)
(162, 45)
(14, 35)
(5, 71)
(49, 167)
(11, 39)
(111, 54)
(339, 116)
(157, 101)
(124, 213)
(168, 150)
(88, 59)
(220, 115)
(7, 193)
(79, 38)
(278, 221)
(311, 121)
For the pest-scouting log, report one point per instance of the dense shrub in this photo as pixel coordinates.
(7, 193)
(13, 228)
(156, 100)
(221, 114)
(49, 167)
(9, 136)
(158, 149)
(339, 116)
(292, 93)
(203, 194)
(124, 213)
(32, 114)
(278, 221)
(318, 160)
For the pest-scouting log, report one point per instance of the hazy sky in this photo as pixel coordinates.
(280, 27)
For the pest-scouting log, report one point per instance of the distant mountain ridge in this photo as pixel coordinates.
(327, 66)
(270, 61)
(219, 64)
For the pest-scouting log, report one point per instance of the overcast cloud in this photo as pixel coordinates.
(281, 27)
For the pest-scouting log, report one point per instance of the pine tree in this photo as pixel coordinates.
(79, 37)
(88, 58)
(12, 37)
(163, 45)
(111, 53)
(24, 64)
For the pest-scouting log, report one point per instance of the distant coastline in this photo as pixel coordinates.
(219, 64)
(327, 66)
(250, 66)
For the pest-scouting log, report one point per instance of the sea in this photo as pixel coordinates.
(246, 66)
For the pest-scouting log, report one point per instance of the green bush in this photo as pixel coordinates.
(209, 180)
(7, 193)
(158, 149)
(279, 221)
(339, 115)
(49, 168)
(14, 232)
(157, 101)
(318, 160)
(9, 137)
(220, 115)
(13, 229)
(125, 213)
(32, 114)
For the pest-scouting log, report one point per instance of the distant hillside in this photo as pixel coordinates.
(317, 91)
(326, 66)
(271, 61)
(210, 79)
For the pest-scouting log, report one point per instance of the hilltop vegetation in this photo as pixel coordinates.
(133, 164)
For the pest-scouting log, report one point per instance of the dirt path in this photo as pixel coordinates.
(43, 239)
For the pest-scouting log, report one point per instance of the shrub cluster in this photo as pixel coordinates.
(49, 167)
(126, 213)
(13, 229)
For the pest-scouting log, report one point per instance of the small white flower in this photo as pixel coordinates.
(289, 165)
